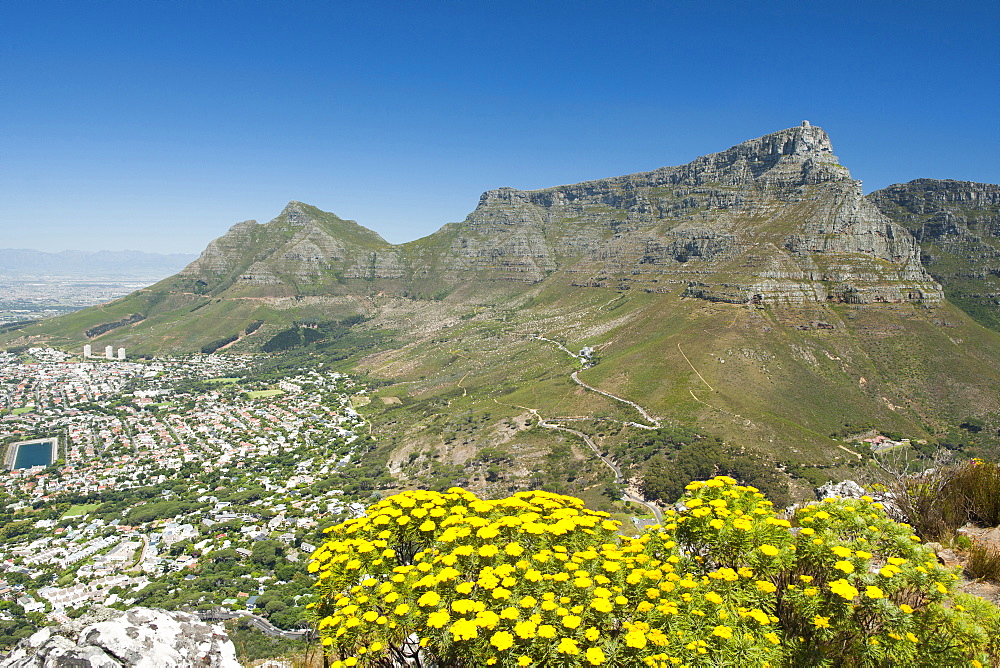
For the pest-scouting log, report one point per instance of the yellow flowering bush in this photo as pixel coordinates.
(538, 580)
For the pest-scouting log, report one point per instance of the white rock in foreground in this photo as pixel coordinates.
(136, 638)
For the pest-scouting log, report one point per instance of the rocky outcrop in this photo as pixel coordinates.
(958, 226)
(139, 637)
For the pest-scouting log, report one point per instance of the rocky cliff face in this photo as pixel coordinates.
(139, 637)
(958, 226)
(772, 219)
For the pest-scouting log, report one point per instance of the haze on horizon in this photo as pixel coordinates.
(156, 126)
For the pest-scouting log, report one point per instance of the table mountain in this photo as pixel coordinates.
(774, 219)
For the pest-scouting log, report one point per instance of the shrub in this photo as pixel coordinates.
(984, 561)
(537, 579)
(941, 499)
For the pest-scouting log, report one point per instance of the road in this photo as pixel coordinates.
(258, 622)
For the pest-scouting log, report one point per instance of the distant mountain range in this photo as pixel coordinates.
(16, 262)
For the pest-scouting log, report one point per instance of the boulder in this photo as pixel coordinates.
(139, 637)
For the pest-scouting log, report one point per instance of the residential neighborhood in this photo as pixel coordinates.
(186, 482)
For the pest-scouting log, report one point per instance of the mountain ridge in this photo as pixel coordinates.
(785, 191)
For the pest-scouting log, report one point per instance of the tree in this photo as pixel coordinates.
(266, 552)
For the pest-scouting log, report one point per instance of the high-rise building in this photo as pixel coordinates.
(88, 351)
(121, 353)
(109, 352)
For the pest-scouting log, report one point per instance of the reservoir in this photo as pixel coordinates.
(32, 453)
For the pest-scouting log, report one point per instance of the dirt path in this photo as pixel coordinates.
(576, 379)
(619, 478)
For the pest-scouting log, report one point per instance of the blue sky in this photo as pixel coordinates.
(156, 124)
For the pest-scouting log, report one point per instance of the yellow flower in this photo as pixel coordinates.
(524, 661)
(513, 549)
(635, 639)
(766, 587)
(571, 621)
(769, 550)
(844, 589)
(525, 629)
(429, 598)
(821, 622)
(438, 619)
(464, 629)
(602, 605)
(568, 646)
(905, 608)
(546, 631)
(595, 656)
(874, 592)
(502, 640)
(712, 597)
(845, 566)
(592, 634)
(723, 632)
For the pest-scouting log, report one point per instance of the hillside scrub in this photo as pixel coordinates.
(940, 500)
(536, 579)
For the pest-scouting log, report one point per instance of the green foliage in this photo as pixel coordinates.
(536, 579)
(675, 455)
(267, 552)
(302, 334)
(159, 510)
(210, 348)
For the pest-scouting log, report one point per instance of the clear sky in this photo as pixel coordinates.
(157, 124)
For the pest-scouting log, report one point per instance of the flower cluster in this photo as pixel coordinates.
(537, 579)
